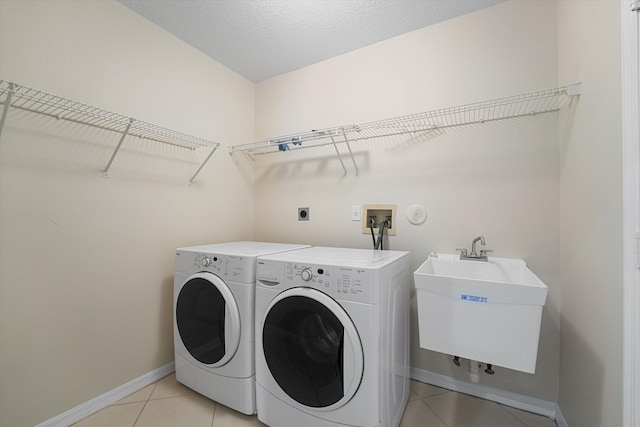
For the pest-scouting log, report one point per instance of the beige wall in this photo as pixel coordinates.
(498, 179)
(591, 217)
(86, 263)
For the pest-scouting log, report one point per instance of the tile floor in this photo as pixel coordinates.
(168, 403)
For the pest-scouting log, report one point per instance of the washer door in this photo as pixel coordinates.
(208, 319)
(312, 348)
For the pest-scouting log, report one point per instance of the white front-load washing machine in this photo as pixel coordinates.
(332, 337)
(213, 322)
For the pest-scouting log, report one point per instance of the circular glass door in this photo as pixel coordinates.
(208, 319)
(312, 348)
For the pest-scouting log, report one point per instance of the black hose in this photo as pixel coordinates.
(380, 235)
(373, 236)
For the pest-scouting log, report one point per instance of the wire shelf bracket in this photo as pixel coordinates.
(533, 103)
(23, 98)
(115, 152)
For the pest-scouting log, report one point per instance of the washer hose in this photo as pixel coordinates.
(380, 235)
(373, 237)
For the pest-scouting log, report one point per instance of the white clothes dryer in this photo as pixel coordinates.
(332, 337)
(213, 322)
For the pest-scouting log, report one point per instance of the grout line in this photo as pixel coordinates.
(433, 410)
(177, 395)
(155, 385)
(213, 418)
(504, 409)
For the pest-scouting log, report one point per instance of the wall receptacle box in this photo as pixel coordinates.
(303, 214)
(379, 213)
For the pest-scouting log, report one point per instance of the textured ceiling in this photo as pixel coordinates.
(260, 39)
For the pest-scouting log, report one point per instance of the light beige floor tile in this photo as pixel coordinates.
(421, 390)
(118, 415)
(226, 417)
(173, 405)
(418, 414)
(187, 411)
(529, 419)
(460, 410)
(141, 395)
(170, 387)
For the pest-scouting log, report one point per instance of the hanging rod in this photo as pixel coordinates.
(24, 98)
(539, 102)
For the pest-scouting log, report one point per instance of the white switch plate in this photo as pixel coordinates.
(355, 213)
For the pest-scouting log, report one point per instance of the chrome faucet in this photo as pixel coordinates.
(473, 245)
(474, 255)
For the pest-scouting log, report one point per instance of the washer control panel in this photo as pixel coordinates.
(353, 283)
(342, 283)
(313, 276)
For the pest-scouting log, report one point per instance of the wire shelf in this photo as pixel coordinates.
(539, 102)
(24, 98)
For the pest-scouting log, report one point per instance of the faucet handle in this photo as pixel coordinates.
(483, 252)
(463, 251)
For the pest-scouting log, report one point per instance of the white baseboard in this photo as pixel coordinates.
(560, 420)
(92, 406)
(514, 400)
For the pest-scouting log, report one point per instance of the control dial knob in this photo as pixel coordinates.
(206, 262)
(306, 274)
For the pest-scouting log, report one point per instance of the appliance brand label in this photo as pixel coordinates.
(473, 298)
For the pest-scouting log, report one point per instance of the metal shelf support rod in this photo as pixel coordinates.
(346, 141)
(202, 165)
(113, 156)
(339, 156)
(5, 109)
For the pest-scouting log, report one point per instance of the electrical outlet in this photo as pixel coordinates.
(303, 214)
(379, 213)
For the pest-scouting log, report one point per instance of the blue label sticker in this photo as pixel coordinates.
(473, 298)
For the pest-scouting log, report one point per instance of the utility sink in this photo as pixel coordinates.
(488, 311)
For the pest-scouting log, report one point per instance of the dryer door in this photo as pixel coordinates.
(208, 320)
(312, 348)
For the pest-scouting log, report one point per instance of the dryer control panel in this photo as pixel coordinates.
(228, 267)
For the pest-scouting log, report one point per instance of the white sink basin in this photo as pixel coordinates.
(485, 311)
(499, 280)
